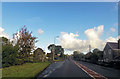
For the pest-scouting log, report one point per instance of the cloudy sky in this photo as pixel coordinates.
(78, 24)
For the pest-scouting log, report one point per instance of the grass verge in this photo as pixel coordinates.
(25, 70)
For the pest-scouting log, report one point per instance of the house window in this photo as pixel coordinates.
(110, 51)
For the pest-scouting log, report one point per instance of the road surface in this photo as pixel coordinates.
(79, 69)
(109, 73)
(69, 69)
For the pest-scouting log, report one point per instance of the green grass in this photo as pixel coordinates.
(25, 70)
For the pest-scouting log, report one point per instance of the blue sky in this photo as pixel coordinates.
(54, 18)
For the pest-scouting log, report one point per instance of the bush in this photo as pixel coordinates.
(9, 55)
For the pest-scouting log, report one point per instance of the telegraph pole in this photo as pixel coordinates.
(54, 46)
(89, 48)
(53, 50)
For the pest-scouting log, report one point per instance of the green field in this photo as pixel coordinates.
(25, 70)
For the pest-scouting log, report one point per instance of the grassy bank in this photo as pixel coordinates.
(25, 70)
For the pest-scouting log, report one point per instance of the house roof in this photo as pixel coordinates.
(113, 45)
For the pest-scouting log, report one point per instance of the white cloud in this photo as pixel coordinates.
(70, 41)
(94, 36)
(2, 33)
(1, 29)
(112, 29)
(111, 39)
(40, 31)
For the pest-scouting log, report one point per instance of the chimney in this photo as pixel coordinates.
(119, 44)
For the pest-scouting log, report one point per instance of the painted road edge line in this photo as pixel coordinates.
(89, 73)
(85, 71)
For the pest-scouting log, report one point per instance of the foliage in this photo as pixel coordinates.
(62, 53)
(50, 56)
(51, 47)
(4, 40)
(77, 55)
(9, 53)
(58, 51)
(39, 55)
(25, 42)
(90, 56)
(94, 56)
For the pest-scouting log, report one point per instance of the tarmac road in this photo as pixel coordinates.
(104, 71)
(69, 69)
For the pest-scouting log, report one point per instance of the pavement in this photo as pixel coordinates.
(79, 69)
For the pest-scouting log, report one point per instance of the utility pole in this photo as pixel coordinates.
(53, 50)
(54, 46)
(89, 48)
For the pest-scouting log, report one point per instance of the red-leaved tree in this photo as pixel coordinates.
(25, 42)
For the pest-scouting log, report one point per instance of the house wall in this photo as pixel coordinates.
(108, 53)
(116, 53)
